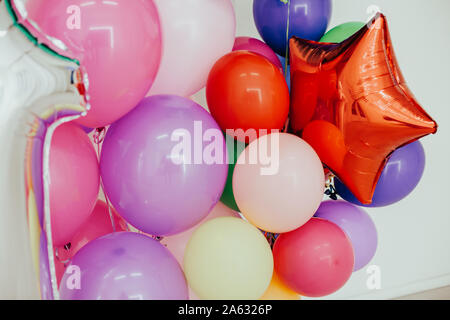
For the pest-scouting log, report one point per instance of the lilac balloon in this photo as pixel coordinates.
(399, 178)
(358, 226)
(124, 266)
(154, 187)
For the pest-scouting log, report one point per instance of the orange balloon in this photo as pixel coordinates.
(328, 141)
(277, 290)
(246, 91)
(351, 103)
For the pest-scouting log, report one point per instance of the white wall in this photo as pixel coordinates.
(414, 235)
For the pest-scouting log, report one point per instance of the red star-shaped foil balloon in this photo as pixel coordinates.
(351, 103)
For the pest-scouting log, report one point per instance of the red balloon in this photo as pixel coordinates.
(246, 91)
(314, 260)
(350, 102)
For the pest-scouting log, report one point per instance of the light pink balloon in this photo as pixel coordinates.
(282, 192)
(118, 43)
(74, 181)
(196, 33)
(259, 47)
(98, 224)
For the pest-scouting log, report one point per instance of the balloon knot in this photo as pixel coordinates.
(331, 192)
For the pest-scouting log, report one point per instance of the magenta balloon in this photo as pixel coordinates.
(259, 47)
(124, 266)
(141, 177)
(119, 43)
(358, 226)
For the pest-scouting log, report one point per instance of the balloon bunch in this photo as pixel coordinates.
(226, 204)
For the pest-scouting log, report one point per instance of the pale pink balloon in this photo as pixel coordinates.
(74, 181)
(282, 191)
(196, 33)
(117, 42)
(259, 47)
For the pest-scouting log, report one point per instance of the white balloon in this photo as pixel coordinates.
(196, 33)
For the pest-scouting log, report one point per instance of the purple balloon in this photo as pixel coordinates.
(358, 226)
(154, 187)
(308, 19)
(399, 178)
(124, 266)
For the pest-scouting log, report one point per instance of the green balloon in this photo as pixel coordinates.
(235, 148)
(342, 32)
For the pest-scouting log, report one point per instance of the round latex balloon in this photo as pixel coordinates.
(164, 165)
(247, 93)
(98, 224)
(228, 259)
(342, 32)
(74, 181)
(257, 46)
(177, 243)
(277, 21)
(282, 191)
(124, 266)
(118, 42)
(315, 260)
(398, 179)
(277, 290)
(358, 226)
(196, 33)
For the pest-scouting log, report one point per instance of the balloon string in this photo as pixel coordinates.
(271, 238)
(286, 55)
(64, 262)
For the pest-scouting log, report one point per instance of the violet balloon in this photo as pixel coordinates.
(399, 178)
(156, 167)
(358, 226)
(308, 19)
(124, 266)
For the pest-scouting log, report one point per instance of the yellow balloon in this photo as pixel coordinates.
(228, 258)
(277, 290)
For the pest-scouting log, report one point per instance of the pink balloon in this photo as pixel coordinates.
(74, 181)
(60, 266)
(315, 260)
(98, 224)
(259, 47)
(118, 42)
(196, 33)
(282, 192)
